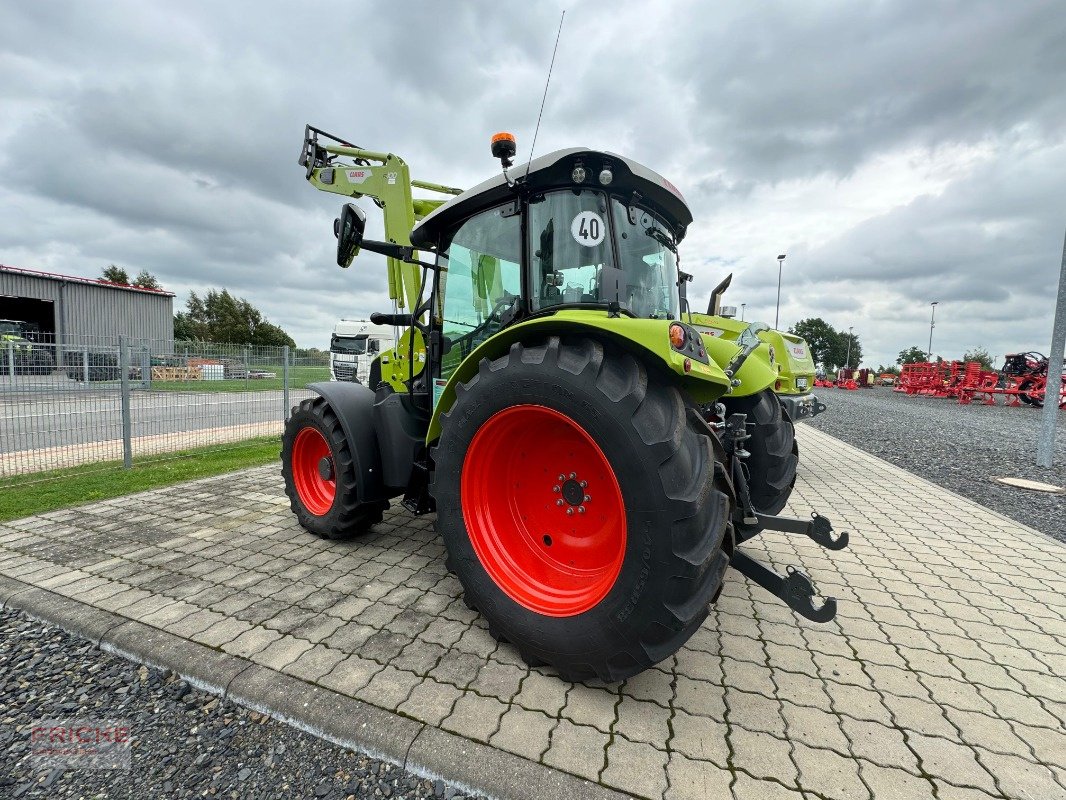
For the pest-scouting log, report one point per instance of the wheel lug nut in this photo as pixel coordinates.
(570, 511)
(584, 484)
(562, 478)
(556, 489)
(580, 509)
(587, 498)
(558, 502)
(573, 475)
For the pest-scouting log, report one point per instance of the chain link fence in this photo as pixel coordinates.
(83, 400)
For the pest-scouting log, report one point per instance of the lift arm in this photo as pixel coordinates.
(336, 166)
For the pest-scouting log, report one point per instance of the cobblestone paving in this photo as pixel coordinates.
(941, 676)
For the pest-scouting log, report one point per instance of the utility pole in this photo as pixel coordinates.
(743, 306)
(932, 324)
(777, 313)
(1045, 445)
(847, 361)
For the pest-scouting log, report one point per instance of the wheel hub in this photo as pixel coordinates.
(325, 468)
(572, 492)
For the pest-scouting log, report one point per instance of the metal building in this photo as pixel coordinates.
(64, 308)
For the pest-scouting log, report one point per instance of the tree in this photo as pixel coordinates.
(912, 355)
(221, 317)
(843, 355)
(820, 337)
(883, 369)
(116, 274)
(982, 356)
(146, 280)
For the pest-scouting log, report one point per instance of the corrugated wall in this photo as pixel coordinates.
(83, 309)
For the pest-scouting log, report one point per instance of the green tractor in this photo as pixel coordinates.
(20, 354)
(587, 452)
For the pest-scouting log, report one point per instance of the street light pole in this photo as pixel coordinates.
(742, 307)
(932, 324)
(777, 313)
(847, 364)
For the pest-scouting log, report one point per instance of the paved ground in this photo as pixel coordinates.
(939, 678)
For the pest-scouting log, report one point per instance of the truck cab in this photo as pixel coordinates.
(354, 346)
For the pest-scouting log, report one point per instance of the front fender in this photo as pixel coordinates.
(648, 338)
(353, 403)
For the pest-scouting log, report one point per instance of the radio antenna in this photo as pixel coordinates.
(545, 97)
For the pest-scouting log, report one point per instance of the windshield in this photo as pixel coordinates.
(573, 260)
(647, 252)
(355, 345)
(10, 329)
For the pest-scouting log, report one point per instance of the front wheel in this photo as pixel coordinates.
(774, 452)
(319, 473)
(581, 508)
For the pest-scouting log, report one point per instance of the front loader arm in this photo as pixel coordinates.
(386, 179)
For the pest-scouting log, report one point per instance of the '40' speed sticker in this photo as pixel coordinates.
(588, 229)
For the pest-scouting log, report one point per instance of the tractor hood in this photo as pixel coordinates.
(553, 171)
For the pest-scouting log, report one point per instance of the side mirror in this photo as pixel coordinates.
(349, 232)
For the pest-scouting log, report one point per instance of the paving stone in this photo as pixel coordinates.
(389, 688)
(1048, 745)
(701, 697)
(883, 745)
(828, 773)
(1019, 777)
(695, 664)
(591, 706)
(748, 788)
(456, 668)
(762, 756)
(251, 641)
(802, 690)
(542, 693)
(501, 681)
(755, 713)
(314, 663)
(945, 791)
(954, 763)
(431, 702)
(643, 721)
(860, 703)
(222, 632)
(894, 784)
(635, 768)
(696, 780)
(444, 632)
(349, 675)
(814, 727)
(577, 749)
(350, 637)
(748, 677)
(281, 653)
(475, 717)
(987, 732)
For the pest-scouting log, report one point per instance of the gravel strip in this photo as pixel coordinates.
(186, 743)
(958, 447)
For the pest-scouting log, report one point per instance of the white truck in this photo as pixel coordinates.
(354, 345)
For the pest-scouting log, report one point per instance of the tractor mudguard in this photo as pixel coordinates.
(401, 433)
(705, 382)
(353, 404)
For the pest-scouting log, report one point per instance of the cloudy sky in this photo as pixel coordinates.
(898, 152)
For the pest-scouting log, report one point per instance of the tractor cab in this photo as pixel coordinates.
(575, 229)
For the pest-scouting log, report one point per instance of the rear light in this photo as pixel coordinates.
(677, 336)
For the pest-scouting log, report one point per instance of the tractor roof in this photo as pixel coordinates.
(552, 171)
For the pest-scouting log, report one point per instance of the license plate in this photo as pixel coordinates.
(801, 383)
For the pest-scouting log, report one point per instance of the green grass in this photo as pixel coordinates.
(39, 492)
(298, 378)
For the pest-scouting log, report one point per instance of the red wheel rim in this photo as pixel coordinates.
(312, 471)
(525, 480)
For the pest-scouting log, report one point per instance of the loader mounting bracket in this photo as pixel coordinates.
(818, 528)
(794, 587)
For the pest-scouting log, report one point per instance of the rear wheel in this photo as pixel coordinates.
(774, 451)
(319, 473)
(581, 508)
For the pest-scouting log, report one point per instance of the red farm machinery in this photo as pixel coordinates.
(1023, 380)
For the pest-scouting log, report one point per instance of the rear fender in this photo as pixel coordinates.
(646, 338)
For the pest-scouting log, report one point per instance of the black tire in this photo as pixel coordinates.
(676, 507)
(1030, 398)
(773, 447)
(348, 517)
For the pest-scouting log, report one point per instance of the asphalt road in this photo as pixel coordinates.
(54, 412)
